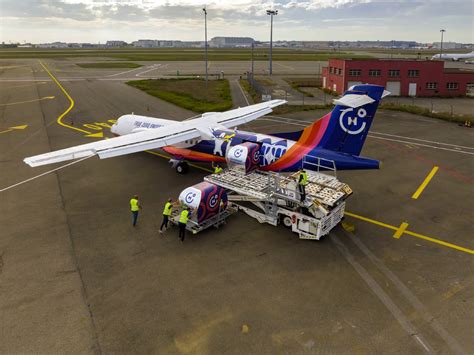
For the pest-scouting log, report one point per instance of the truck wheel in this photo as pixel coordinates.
(182, 168)
(287, 221)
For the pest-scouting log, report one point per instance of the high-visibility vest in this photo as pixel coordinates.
(303, 178)
(134, 205)
(184, 217)
(167, 210)
(217, 170)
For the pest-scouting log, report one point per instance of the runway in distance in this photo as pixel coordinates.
(453, 56)
(338, 137)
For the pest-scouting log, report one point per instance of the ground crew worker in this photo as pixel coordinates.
(134, 207)
(217, 169)
(183, 220)
(166, 215)
(302, 182)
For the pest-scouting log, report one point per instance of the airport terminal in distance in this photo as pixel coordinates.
(373, 254)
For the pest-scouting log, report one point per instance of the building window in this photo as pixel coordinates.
(452, 86)
(331, 70)
(431, 86)
(340, 71)
(374, 72)
(394, 73)
(413, 73)
(355, 72)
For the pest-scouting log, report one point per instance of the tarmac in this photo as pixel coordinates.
(76, 277)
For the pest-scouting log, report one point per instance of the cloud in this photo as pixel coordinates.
(182, 19)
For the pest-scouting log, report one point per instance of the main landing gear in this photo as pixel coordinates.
(180, 166)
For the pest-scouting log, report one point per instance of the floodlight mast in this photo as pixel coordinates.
(442, 33)
(271, 13)
(205, 38)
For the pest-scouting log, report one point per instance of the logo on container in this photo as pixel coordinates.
(190, 197)
(213, 201)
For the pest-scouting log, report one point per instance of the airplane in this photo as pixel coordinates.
(453, 56)
(338, 136)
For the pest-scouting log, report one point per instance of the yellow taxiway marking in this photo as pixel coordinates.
(400, 230)
(285, 66)
(28, 101)
(71, 102)
(14, 128)
(425, 183)
(413, 234)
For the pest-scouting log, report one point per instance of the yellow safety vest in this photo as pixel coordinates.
(217, 170)
(134, 205)
(167, 210)
(184, 217)
(304, 180)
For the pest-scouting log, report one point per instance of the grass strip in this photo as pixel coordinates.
(189, 93)
(423, 111)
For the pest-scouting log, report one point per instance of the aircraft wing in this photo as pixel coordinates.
(157, 137)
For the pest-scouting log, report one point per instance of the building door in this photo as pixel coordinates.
(470, 90)
(334, 87)
(393, 87)
(412, 89)
(352, 83)
(324, 82)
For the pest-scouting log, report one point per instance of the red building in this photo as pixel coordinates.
(400, 77)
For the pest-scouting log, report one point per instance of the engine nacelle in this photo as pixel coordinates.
(206, 198)
(245, 156)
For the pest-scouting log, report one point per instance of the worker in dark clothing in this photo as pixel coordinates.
(302, 182)
(166, 214)
(134, 207)
(183, 220)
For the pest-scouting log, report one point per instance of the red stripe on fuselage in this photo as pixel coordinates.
(184, 153)
(309, 139)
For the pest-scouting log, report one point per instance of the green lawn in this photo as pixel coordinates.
(299, 83)
(190, 94)
(178, 54)
(422, 111)
(103, 65)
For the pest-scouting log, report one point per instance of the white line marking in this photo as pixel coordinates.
(45, 173)
(410, 296)
(155, 67)
(124, 72)
(243, 93)
(420, 140)
(421, 145)
(381, 294)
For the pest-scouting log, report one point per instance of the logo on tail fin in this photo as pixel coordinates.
(352, 124)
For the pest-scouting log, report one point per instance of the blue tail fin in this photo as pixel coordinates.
(351, 119)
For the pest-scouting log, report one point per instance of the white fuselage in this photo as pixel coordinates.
(453, 56)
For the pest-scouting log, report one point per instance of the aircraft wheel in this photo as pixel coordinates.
(287, 221)
(182, 168)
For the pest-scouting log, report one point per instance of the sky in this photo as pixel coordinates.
(39, 21)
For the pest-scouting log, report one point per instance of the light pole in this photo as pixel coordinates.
(205, 36)
(253, 46)
(271, 13)
(442, 33)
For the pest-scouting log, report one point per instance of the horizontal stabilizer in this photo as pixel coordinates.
(353, 100)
